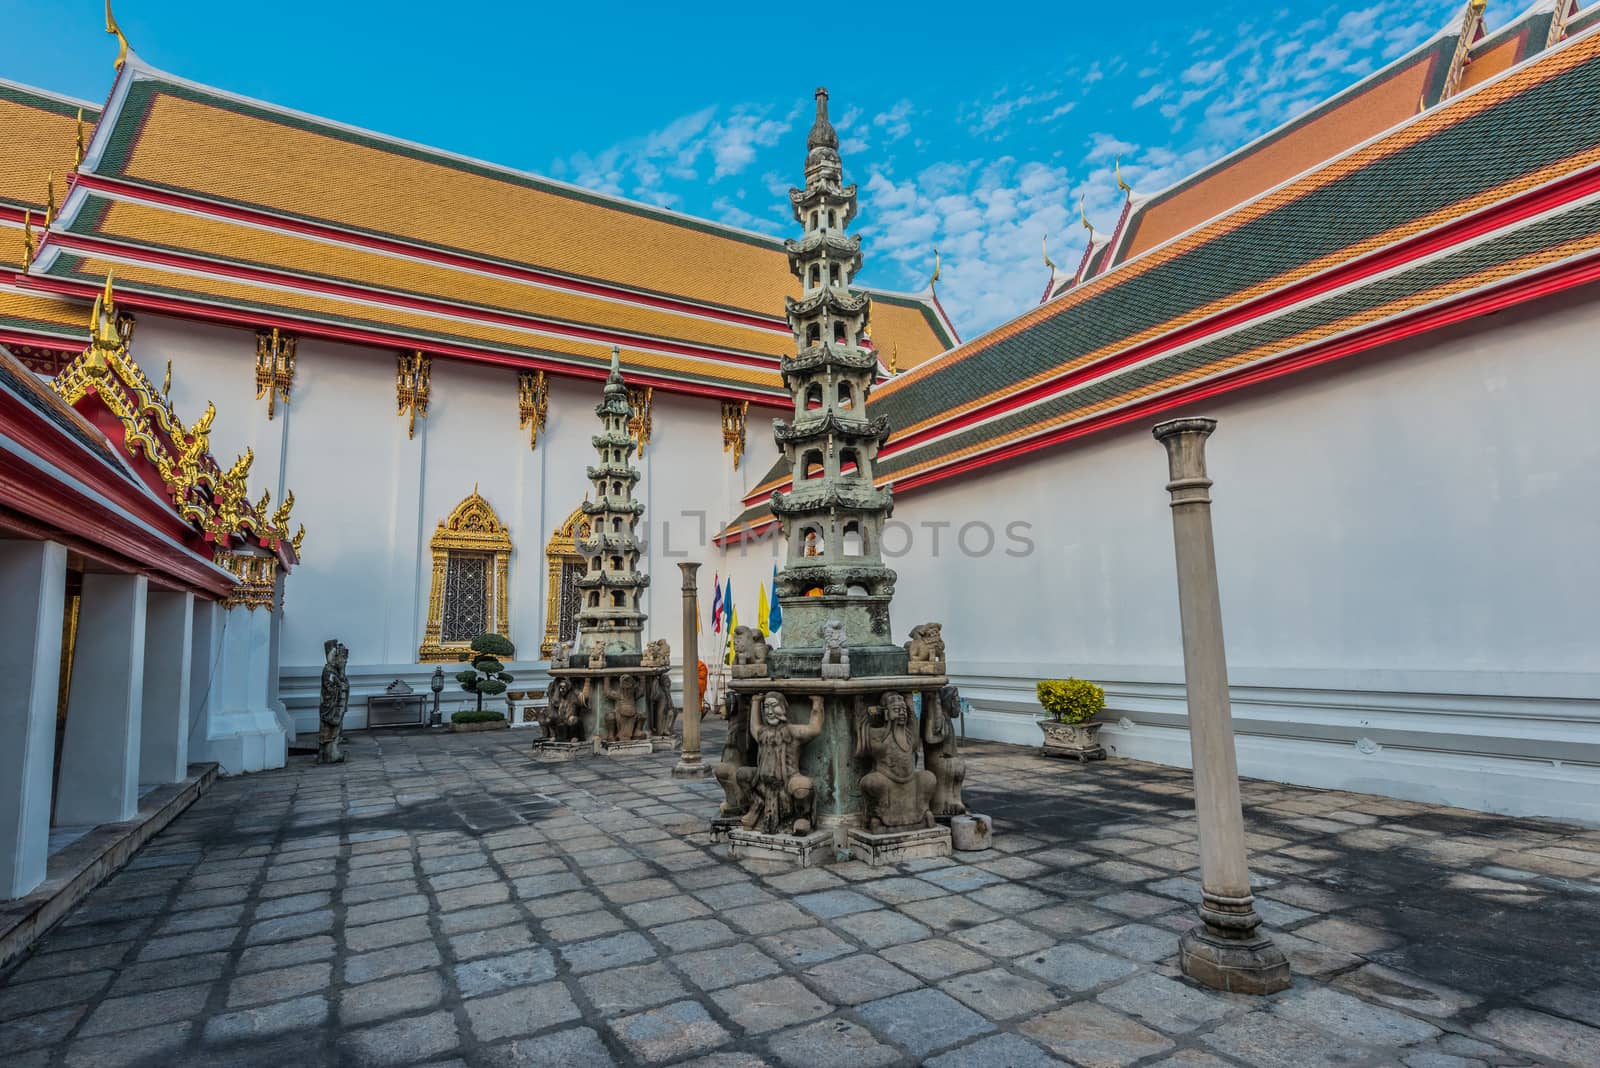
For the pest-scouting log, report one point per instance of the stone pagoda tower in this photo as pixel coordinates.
(840, 740)
(612, 585)
(833, 516)
(611, 693)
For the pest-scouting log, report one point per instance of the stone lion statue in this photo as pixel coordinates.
(925, 650)
(749, 653)
(656, 654)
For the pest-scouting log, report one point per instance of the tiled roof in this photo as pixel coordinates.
(1491, 187)
(350, 228)
(40, 137)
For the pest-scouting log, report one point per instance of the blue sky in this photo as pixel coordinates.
(973, 128)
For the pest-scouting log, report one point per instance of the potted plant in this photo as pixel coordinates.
(487, 675)
(1070, 731)
(470, 719)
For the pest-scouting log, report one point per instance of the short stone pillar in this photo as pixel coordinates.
(1227, 952)
(690, 765)
(99, 780)
(168, 653)
(33, 585)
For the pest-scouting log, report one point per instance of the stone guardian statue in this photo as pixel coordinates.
(564, 714)
(779, 798)
(896, 791)
(335, 701)
(939, 753)
(623, 722)
(738, 754)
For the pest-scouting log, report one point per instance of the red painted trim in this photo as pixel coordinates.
(270, 220)
(54, 341)
(944, 318)
(134, 299)
(1485, 303)
(10, 214)
(1562, 191)
(268, 276)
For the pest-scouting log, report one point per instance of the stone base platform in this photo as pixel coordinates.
(76, 870)
(637, 747)
(817, 848)
(549, 750)
(894, 847)
(722, 826)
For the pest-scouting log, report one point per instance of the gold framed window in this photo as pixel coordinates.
(565, 565)
(471, 568)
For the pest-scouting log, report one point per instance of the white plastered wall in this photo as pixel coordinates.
(1403, 547)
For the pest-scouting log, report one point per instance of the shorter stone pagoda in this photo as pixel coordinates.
(610, 693)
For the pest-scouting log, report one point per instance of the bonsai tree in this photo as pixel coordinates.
(1071, 700)
(487, 675)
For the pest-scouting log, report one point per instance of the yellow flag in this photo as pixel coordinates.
(733, 623)
(762, 612)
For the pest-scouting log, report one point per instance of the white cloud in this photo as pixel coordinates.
(641, 166)
(895, 123)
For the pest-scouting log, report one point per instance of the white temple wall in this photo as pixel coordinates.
(1403, 551)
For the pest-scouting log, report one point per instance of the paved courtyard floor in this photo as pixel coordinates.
(443, 899)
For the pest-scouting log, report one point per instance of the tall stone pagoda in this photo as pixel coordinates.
(833, 516)
(611, 694)
(827, 752)
(611, 585)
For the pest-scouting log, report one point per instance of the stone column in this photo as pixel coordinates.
(689, 765)
(168, 655)
(33, 584)
(99, 781)
(1228, 951)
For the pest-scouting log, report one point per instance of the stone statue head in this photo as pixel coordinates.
(774, 709)
(896, 708)
(336, 653)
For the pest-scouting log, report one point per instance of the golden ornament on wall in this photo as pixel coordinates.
(734, 415)
(275, 351)
(411, 387)
(640, 401)
(533, 403)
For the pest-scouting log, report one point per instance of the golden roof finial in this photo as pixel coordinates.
(1044, 245)
(298, 539)
(115, 30)
(27, 239)
(894, 358)
(1084, 219)
(935, 279)
(77, 160)
(166, 380)
(1121, 184)
(49, 199)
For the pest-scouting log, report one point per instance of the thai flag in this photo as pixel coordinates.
(716, 603)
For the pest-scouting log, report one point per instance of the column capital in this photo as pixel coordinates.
(1185, 441)
(691, 570)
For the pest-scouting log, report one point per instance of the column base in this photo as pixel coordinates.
(1238, 966)
(685, 770)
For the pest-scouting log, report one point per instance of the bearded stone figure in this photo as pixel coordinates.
(779, 798)
(939, 753)
(738, 753)
(335, 700)
(623, 722)
(896, 791)
(563, 720)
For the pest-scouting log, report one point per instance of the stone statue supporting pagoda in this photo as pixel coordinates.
(335, 701)
(779, 795)
(854, 788)
(626, 686)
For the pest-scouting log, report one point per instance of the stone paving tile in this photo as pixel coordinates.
(446, 900)
(830, 1041)
(670, 1032)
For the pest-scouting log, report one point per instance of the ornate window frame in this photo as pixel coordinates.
(562, 549)
(471, 527)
